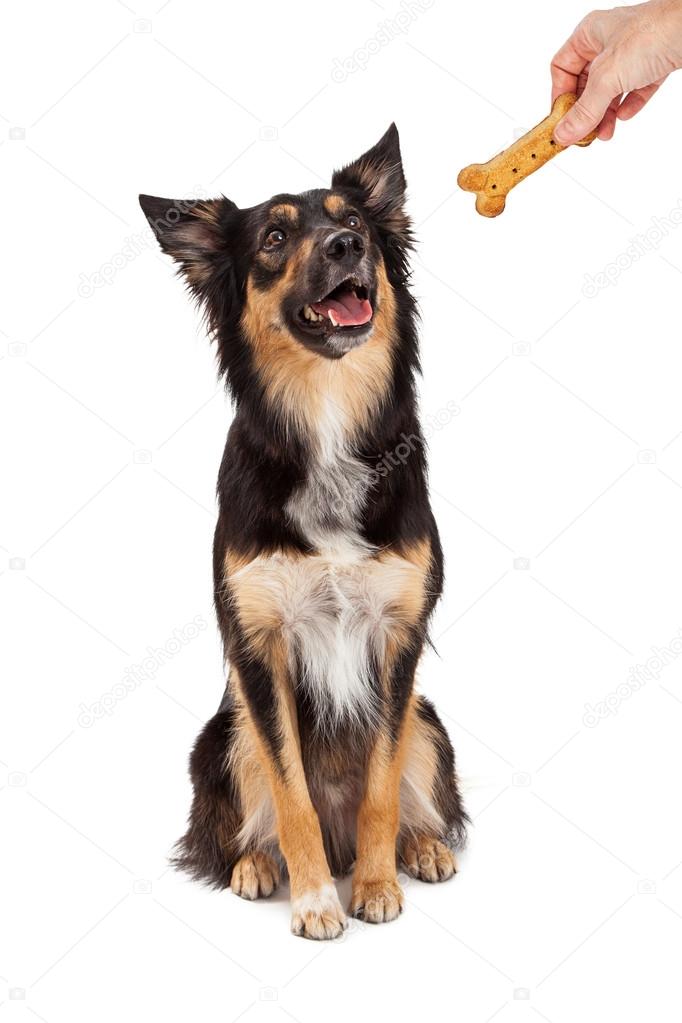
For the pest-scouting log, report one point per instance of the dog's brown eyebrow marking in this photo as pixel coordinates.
(286, 211)
(334, 205)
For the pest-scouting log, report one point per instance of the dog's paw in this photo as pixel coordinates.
(317, 914)
(255, 876)
(377, 902)
(427, 859)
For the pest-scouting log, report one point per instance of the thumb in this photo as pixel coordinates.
(588, 111)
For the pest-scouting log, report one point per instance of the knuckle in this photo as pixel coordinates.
(610, 80)
(589, 21)
(581, 114)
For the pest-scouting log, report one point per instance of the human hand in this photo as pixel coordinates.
(626, 52)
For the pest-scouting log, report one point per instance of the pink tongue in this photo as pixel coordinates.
(348, 309)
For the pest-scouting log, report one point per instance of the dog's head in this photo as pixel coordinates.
(317, 270)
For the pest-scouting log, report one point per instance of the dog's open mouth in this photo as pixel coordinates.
(347, 307)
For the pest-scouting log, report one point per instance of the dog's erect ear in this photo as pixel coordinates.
(192, 231)
(378, 176)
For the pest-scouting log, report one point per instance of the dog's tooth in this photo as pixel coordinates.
(332, 318)
(308, 312)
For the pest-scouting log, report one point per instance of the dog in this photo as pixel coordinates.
(322, 757)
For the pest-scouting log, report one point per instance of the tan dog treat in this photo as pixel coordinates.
(492, 181)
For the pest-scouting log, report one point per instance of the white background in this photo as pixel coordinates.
(566, 451)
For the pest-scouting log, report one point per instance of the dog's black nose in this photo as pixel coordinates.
(345, 247)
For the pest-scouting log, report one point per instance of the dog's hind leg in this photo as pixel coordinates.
(255, 875)
(432, 818)
(209, 848)
(231, 834)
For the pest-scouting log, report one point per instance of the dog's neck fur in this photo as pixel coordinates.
(326, 505)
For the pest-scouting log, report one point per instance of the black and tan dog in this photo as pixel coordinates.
(327, 559)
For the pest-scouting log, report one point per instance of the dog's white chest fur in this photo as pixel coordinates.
(335, 615)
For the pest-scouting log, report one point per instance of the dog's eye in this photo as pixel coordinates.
(352, 221)
(274, 239)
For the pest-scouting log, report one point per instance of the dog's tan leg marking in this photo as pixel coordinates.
(255, 876)
(426, 858)
(316, 910)
(377, 896)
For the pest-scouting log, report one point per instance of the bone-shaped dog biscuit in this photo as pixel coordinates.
(492, 181)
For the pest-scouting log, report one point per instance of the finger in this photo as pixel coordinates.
(590, 108)
(607, 127)
(565, 68)
(563, 80)
(570, 60)
(635, 100)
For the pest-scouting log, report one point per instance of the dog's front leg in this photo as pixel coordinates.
(316, 910)
(377, 896)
